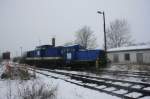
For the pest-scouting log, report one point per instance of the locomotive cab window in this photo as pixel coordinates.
(127, 56)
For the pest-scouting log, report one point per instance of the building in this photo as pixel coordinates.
(132, 54)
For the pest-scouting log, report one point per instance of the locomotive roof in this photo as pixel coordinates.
(72, 45)
(44, 46)
(91, 50)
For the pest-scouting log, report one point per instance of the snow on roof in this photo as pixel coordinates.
(71, 45)
(127, 48)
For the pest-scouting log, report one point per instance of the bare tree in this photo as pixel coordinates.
(86, 38)
(118, 34)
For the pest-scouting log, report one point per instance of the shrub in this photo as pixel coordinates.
(16, 73)
(37, 91)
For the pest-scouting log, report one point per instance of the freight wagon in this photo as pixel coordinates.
(6, 55)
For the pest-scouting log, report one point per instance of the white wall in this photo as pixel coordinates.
(146, 57)
(133, 58)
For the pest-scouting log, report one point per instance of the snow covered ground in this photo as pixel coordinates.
(65, 90)
(70, 91)
(129, 67)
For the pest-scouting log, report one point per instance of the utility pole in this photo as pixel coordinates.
(104, 26)
(39, 42)
(105, 44)
(21, 51)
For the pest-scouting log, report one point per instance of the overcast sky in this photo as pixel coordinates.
(25, 22)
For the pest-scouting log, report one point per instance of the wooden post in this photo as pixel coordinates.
(97, 63)
(34, 71)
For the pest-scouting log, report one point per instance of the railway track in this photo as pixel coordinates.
(120, 88)
(126, 73)
(137, 74)
(134, 74)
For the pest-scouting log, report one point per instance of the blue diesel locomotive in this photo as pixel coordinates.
(73, 56)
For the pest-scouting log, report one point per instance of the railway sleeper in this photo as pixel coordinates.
(106, 79)
(144, 92)
(114, 80)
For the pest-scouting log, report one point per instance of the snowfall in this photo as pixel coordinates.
(64, 90)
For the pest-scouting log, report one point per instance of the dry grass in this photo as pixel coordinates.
(27, 88)
(37, 91)
(30, 89)
(16, 73)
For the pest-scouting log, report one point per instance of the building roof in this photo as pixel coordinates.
(130, 48)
